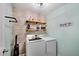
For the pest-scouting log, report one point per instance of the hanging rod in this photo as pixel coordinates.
(15, 20)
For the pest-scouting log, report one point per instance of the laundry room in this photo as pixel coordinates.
(39, 29)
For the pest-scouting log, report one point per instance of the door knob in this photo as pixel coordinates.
(4, 51)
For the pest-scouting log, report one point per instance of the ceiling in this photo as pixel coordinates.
(45, 9)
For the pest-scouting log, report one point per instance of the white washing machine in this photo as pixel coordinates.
(43, 47)
(50, 46)
(35, 47)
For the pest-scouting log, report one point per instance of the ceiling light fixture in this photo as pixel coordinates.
(39, 4)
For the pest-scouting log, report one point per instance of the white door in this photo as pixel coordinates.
(1, 41)
(7, 37)
(5, 29)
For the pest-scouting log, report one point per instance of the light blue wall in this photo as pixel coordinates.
(67, 37)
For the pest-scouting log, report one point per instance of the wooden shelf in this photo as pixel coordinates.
(34, 21)
(32, 30)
